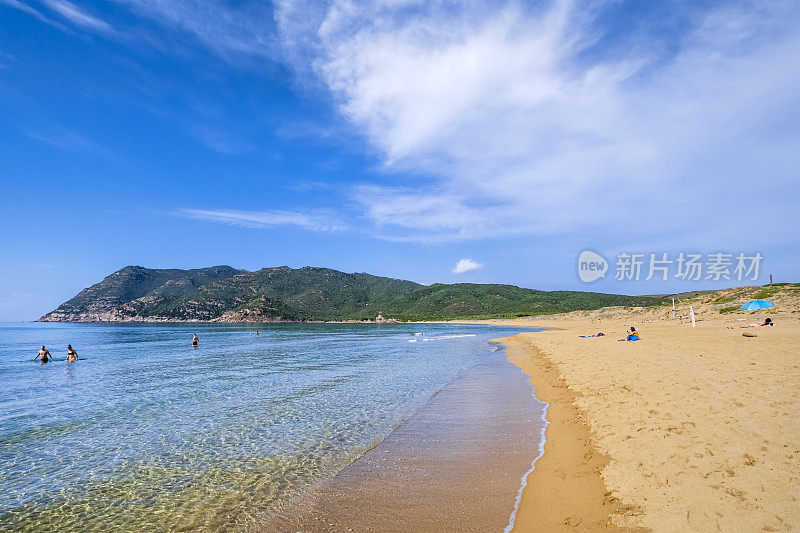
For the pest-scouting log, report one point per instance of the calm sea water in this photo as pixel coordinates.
(147, 433)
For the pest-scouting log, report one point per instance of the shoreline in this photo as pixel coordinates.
(564, 488)
(465, 451)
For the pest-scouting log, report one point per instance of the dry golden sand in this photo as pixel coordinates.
(689, 429)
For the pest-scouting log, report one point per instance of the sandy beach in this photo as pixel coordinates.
(688, 429)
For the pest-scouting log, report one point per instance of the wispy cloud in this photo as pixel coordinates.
(67, 140)
(404, 214)
(219, 140)
(312, 221)
(466, 265)
(25, 8)
(78, 16)
(545, 120)
(224, 27)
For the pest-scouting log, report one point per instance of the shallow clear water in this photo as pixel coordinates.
(145, 432)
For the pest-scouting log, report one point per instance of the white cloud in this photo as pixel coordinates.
(466, 265)
(526, 122)
(430, 218)
(77, 16)
(546, 118)
(313, 221)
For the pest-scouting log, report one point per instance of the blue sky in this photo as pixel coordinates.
(394, 137)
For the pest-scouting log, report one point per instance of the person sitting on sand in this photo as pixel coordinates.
(633, 335)
(195, 340)
(72, 355)
(44, 354)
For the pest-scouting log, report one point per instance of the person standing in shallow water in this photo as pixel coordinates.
(44, 354)
(72, 355)
(195, 340)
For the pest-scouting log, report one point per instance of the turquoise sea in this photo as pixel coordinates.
(146, 433)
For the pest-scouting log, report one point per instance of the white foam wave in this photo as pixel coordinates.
(443, 337)
(524, 481)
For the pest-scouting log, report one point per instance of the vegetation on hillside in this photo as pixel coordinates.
(283, 293)
(470, 300)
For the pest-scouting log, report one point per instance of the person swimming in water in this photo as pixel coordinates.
(72, 355)
(195, 340)
(44, 354)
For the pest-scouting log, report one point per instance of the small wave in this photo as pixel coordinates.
(443, 337)
(524, 481)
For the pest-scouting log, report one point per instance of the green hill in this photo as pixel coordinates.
(286, 294)
(463, 300)
(291, 294)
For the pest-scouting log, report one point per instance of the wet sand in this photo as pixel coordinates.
(455, 465)
(566, 490)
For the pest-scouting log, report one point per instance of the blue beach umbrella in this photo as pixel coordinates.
(756, 305)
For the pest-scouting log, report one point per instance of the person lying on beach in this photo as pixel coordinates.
(195, 340)
(44, 354)
(767, 322)
(72, 355)
(588, 336)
